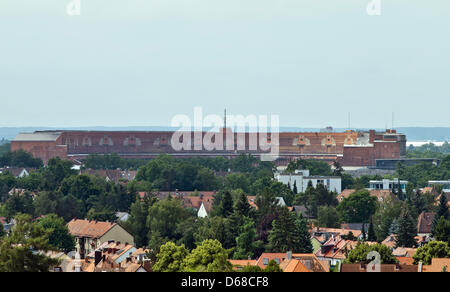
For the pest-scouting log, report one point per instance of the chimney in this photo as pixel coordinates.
(371, 136)
(97, 257)
(289, 255)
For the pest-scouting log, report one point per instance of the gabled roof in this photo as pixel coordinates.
(404, 252)
(386, 268)
(293, 265)
(309, 260)
(90, 229)
(425, 222)
(237, 264)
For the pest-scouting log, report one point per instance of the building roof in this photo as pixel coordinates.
(405, 260)
(425, 222)
(404, 252)
(345, 194)
(87, 228)
(309, 260)
(302, 210)
(37, 137)
(381, 195)
(437, 265)
(242, 263)
(114, 175)
(386, 268)
(293, 266)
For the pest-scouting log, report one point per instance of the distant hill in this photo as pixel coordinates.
(412, 133)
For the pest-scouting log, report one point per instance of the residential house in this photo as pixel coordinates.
(18, 172)
(388, 184)
(122, 216)
(310, 261)
(424, 223)
(320, 235)
(383, 268)
(90, 235)
(238, 265)
(252, 201)
(302, 210)
(112, 175)
(437, 265)
(381, 195)
(336, 249)
(301, 178)
(7, 226)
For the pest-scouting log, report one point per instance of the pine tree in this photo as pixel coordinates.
(363, 232)
(242, 206)
(226, 208)
(304, 238)
(406, 230)
(441, 231)
(371, 232)
(289, 233)
(295, 190)
(247, 243)
(418, 202)
(442, 211)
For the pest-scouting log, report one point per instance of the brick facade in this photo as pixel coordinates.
(312, 145)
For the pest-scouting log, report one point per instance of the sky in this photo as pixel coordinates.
(141, 62)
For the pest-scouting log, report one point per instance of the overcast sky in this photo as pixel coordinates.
(140, 62)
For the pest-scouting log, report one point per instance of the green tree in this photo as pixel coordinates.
(441, 230)
(247, 243)
(383, 219)
(163, 219)
(295, 190)
(442, 211)
(417, 201)
(327, 216)
(2, 230)
(20, 158)
(24, 249)
(273, 267)
(18, 204)
(406, 230)
(357, 208)
(137, 223)
(289, 233)
(60, 237)
(360, 252)
(226, 206)
(242, 207)
(371, 236)
(433, 249)
(209, 256)
(170, 258)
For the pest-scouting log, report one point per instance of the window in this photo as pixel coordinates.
(265, 261)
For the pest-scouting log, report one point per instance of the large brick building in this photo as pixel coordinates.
(350, 148)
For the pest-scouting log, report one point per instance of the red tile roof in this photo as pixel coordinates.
(424, 222)
(90, 229)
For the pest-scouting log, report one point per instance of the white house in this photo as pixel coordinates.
(301, 178)
(202, 211)
(388, 184)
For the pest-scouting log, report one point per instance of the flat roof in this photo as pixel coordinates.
(37, 136)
